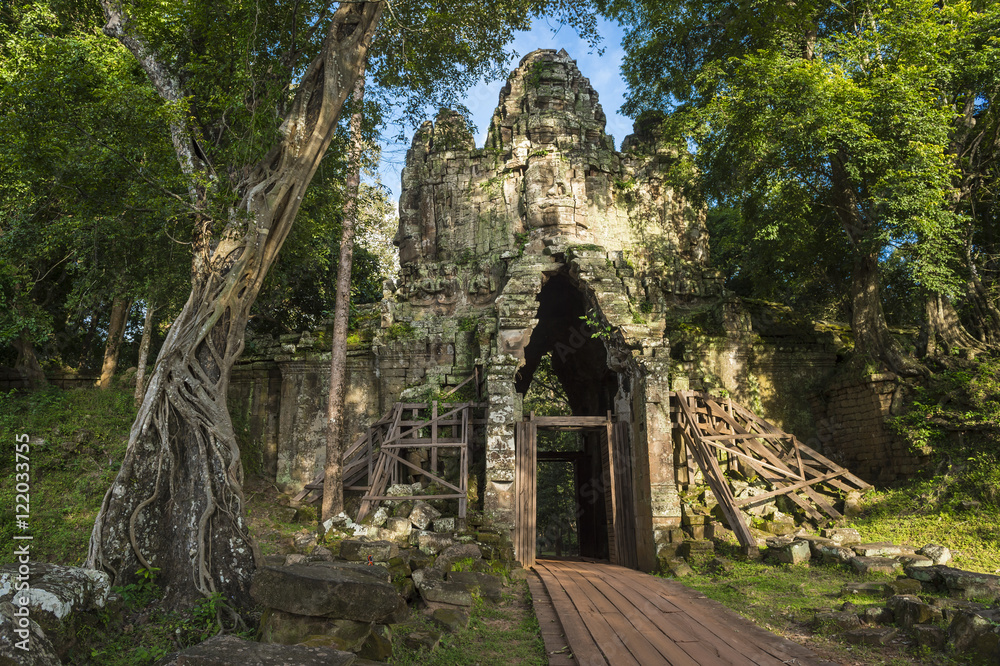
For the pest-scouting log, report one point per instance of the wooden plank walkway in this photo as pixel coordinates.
(613, 616)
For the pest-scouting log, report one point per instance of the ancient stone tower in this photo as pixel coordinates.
(505, 248)
(547, 240)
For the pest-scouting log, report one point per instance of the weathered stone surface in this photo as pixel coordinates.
(378, 646)
(876, 549)
(325, 591)
(836, 554)
(57, 597)
(696, 549)
(15, 634)
(399, 528)
(976, 633)
(873, 636)
(422, 640)
(878, 615)
(873, 589)
(420, 575)
(910, 610)
(233, 651)
(433, 543)
(422, 515)
(937, 553)
(452, 554)
(450, 619)
(291, 629)
(958, 583)
(56, 591)
(321, 554)
(354, 550)
(457, 594)
(929, 635)
(903, 586)
(842, 535)
(837, 620)
(795, 552)
(676, 567)
(444, 525)
(866, 565)
(489, 586)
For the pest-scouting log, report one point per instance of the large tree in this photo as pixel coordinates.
(254, 95)
(817, 113)
(249, 153)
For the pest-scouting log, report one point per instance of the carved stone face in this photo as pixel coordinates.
(407, 242)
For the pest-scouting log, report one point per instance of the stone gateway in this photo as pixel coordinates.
(547, 240)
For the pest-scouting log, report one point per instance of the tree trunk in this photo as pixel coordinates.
(27, 363)
(120, 307)
(942, 325)
(333, 486)
(147, 334)
(871, 333)
(177, 504)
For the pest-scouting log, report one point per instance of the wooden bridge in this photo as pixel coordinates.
(605, 615)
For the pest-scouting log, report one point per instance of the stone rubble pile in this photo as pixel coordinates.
(929, 603)
(351, 591)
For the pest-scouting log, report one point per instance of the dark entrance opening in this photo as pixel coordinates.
(565, 363)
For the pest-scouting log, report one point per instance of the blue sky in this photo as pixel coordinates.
(604, 72)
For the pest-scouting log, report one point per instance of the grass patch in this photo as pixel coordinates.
(78, 441)
(926, 512)
(784, 599)
(497, 635)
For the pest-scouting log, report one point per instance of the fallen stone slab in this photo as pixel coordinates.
(876, 549)
(444, 592)
(866, 565)
(795, 552)
(929, 635)
(464, 551)
(378, 647)
(433, 543)
(423, 514)
(878, 615)
(233, 651)
(937, 553)
(40, 651)
(490, 587)
(450, 619)
(57, 597)
(291, 629)
(325, 591)
(56, 591)
(872, 636)
(910, 610)
(976, 633)
(903, 586)
(422, 640)
(355, 550)
(956, 582)
(842, 535)
(838, 620)
(871, 589)
(836, 554)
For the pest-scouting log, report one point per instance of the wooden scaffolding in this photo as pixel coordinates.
(714, 428)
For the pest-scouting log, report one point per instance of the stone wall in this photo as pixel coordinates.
(851, 426)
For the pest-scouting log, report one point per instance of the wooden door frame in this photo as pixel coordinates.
(617, 473)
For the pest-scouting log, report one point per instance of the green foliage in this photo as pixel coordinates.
(826, 133)
(599, 330)
(399, 331)
(955, 414)
(468, 324)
